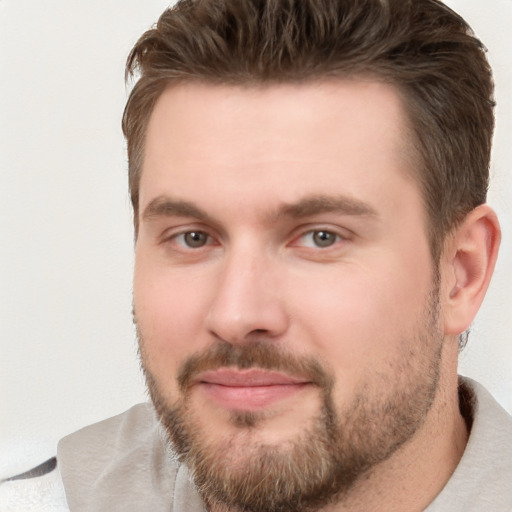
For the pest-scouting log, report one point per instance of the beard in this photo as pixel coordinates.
(238, 471)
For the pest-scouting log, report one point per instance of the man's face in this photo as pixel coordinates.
(285, 298)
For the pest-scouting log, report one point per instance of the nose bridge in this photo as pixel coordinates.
(247, 298)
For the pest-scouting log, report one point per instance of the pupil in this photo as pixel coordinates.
(323, 238)
(195, 239)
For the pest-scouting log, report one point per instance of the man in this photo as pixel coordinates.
(312, 242)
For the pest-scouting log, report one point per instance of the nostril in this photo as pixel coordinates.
(259, 331)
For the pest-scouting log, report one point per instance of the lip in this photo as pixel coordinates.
(252, 377)
(248, 390)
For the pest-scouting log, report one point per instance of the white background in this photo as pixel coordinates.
(67, 345)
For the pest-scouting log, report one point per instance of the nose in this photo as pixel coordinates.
(248, 300)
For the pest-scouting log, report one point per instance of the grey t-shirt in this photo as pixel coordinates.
(482, 481)
(124, 464)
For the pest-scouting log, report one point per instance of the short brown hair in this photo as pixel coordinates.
(421, 46)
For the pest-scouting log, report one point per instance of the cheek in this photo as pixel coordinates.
(169, 312)
(359, 319)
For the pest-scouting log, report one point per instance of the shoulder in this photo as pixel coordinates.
(125, 431)
(490, 426)
(122, 458)
(122, 463)
(483, 478)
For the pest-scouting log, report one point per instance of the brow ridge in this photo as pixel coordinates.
(317, 204)
(165, 206)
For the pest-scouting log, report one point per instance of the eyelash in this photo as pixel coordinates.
(319, 236)
(184, 234)
(331, 237)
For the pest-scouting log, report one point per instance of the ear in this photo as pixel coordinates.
(468, 260)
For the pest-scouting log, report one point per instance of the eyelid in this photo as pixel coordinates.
(183, 236)
(181, 230)
(302, 240)
(214, 238)
(342, 234)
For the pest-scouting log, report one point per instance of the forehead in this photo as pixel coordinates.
(278, 140)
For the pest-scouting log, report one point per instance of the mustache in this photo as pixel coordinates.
(256, 354)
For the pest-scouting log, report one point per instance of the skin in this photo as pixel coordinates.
(249, 169)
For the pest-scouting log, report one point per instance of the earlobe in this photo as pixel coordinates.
(470, 259)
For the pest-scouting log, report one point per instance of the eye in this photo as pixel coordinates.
(324, 238)
(193, 239)
(319, 238)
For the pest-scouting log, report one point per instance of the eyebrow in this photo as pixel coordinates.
(164, 206)
(317, 204)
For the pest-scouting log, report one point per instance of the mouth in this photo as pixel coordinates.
(248, 390)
